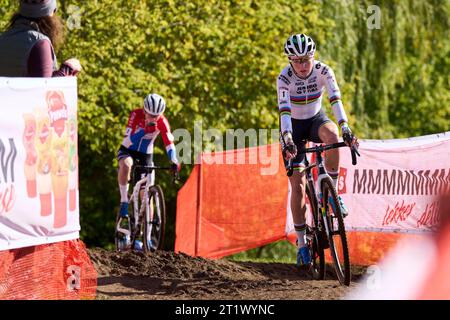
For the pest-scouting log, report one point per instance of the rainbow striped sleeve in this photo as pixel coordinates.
(338, 109)
(285, 111)
(335, 99)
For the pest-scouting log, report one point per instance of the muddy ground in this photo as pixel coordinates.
(165, 275)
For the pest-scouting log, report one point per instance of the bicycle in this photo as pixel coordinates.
(327, 219)
(147, 222)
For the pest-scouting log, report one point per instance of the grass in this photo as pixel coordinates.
(277, 252)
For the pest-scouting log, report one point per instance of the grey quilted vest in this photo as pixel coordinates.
(15, 47)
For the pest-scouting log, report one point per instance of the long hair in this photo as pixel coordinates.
(52, 27)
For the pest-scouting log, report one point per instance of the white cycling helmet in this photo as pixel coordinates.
(299, 45)
(154, 104)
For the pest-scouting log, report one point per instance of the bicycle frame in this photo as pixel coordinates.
(322, 174)
(323, 228)
(145, 205)
(135, 196)
(142, 213)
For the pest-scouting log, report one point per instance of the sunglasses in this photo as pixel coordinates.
(151, 116)
(300, 61)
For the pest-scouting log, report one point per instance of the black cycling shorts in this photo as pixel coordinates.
(139, 158)
(306, 130)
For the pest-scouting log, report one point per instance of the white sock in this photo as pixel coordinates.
(123, 192)
(300, 230)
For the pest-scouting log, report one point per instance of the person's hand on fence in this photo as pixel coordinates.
(71, 67)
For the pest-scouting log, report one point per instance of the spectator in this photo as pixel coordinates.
(27, 47)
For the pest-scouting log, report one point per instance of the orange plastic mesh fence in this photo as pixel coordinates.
(60, 270)
(228, 208)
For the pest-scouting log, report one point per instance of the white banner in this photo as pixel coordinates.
(38, 161)
(394, 186)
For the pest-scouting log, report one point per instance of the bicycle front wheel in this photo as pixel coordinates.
(155, 220)
(336, 232)
(313, 237)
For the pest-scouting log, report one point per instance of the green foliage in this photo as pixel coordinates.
(217, 61)
(280, 251)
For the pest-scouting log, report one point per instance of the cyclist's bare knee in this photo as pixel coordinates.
(329, 133)
(124, 173)
(125, 163)
(298, 181)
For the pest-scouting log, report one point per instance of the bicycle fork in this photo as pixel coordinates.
(140, 211)
(127, 231)
(322, 210)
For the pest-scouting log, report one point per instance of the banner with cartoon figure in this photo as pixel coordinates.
(395, 186)
(38, 160)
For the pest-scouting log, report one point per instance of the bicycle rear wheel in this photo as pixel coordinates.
(155, 220)
(312, 236)
(336, 233)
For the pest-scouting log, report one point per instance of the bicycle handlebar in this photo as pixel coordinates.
(355, 153)
(290, 170)
(152, 167)
(148, 169)
(322, 148)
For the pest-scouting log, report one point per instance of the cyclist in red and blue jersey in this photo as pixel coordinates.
(300, 89)
(144, 126)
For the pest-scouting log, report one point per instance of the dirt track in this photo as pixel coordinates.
(166, 275)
